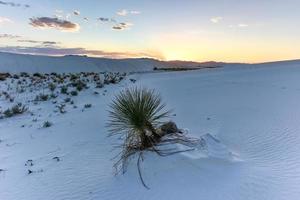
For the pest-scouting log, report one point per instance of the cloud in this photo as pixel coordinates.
(122, 12)
(125, 12)
(43, 43)
(59, 11)
(68, 16)
(58, 51)
(4, 20)
(243, 25)
(86, 19)
(239, 26)
(9, 36)
(122, 26)
(76, 12)
(46, 43)
(56, 23)
(104, 19)
(12, 4)
(216, 20)
(50, 43)
(135, 12)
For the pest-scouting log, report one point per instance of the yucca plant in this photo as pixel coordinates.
(136, 113)
(135, 117)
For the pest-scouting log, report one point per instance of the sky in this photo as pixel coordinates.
(195, 30)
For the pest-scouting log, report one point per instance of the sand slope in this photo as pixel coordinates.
(253, 111)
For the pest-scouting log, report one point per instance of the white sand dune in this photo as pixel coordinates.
(253, 111)
(33, 63)
(11, 62)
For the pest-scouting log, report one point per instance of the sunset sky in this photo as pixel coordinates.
(197, 30)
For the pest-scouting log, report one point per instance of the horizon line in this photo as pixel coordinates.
(153, 58)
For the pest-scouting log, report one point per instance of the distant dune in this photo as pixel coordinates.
(10, 62)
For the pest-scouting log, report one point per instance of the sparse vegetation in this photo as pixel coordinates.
(79, 85)
(15, 110)
(185, 68)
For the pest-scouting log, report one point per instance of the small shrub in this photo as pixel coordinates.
(53, 96)
(73, 77)
(99, 85)
(61, 108)
(47, 124)
(41, 97)
(80, 85)
(19, 109)
(67, 100)
(15, 110)
(88, 105)
(64, 89)
(52, 87)
(8, 113)
(132, 80)
(4, 76)
(38, 75)
(24, 74)
(74, 93)
(15, 76)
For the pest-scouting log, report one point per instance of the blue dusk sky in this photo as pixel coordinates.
(197, 30)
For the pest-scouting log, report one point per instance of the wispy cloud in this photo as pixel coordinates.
(122, 12)
(9, 36)
(12, 4)
(58, 51)
(55, 23)
(4, 20)
(45, 43)
(216, 20)
(135, 12)
(243, 25)
(122, 26)
(76, 12)
(125, 12)
(104, 19)
(59, 13)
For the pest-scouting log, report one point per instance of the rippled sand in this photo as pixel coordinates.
(254, 112)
